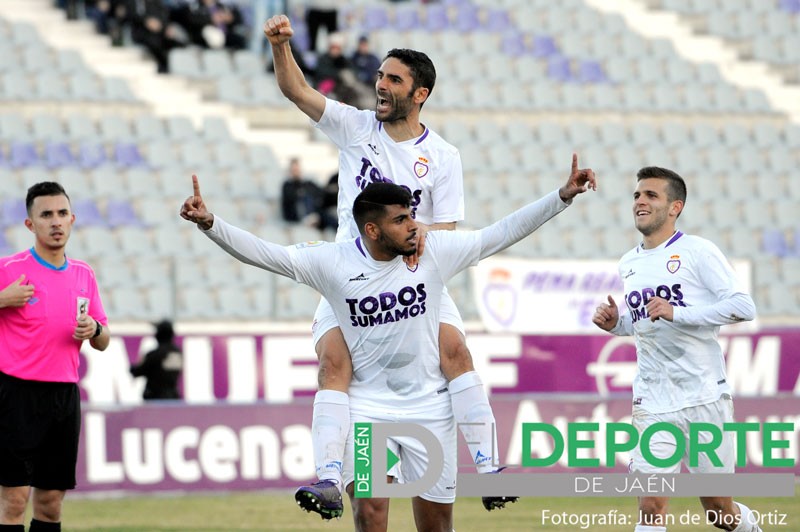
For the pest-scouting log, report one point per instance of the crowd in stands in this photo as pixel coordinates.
(160, 25)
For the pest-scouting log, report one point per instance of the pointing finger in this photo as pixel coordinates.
(196, 185)
(611, 301)
(574, 162)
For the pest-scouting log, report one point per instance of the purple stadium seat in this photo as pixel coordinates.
(558, 68)
(513, 44)
(467, 18)
(58, 154)
(23, 154)
(127, 154)
(87, 213)
(497, 20)
(436, 18)
(591, 72)
(792, 6)
(92, 155)
(774, 243)
(375, 18)
(120, 212)
(544, 46)
(12, 212)
(406, 19)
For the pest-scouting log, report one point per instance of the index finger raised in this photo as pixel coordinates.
(196, 185)
(574, 162)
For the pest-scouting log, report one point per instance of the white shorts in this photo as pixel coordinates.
(325, 319)
(412, 454)
(662, 444)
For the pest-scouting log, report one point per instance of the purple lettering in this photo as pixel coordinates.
(368, 305)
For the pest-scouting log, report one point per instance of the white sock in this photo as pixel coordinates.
(645, 528)
(330, 424)
(747, 522)
(475, 419)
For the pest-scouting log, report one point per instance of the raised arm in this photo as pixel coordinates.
(278, 30)
(244, 246)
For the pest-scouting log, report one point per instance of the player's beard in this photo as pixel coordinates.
(394, 248)
(656, 221)
(400, 108)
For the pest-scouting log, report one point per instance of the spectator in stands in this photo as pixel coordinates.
(300, 197)
(108, 17)
(212, 23)
(150, 27)
(321, 13)
(336, 78)
(329, 218)
(162, 366)
(365, 63)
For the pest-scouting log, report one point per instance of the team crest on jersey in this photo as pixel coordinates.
(674, 263)
(421, 167)
(309, 244)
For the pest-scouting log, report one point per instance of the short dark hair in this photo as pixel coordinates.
(423, 73)
(676, 186)
(370, 205)
(45, 188)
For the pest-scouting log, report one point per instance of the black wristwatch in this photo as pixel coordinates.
(99, 330)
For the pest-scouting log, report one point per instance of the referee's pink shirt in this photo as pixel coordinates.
(36, 339)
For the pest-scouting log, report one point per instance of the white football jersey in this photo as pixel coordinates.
(427, 166)
(389, 315)
(680, 363)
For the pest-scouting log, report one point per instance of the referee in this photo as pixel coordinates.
(49, 305)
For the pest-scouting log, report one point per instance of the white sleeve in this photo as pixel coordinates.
(624, 326)
(250, 249)
(448, 191)
(732, 304)
(343, 124)
(453, 251)
(519, 224)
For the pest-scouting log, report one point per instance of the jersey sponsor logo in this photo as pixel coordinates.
(637, 300)
(388, 307)
(629, 274)
(359, 277)
(674, 263)
(420, 168)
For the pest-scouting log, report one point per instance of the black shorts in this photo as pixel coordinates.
(40, 424)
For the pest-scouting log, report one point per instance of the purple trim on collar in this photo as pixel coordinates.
(675, 237)
(380, 126)
(358, 245)
(423, 136)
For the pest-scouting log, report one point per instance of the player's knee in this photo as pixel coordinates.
(335, 365)
(455, 358)
(652, 506)
(716, 508)
(370, 514)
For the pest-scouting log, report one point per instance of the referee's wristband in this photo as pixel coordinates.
(98, 330)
